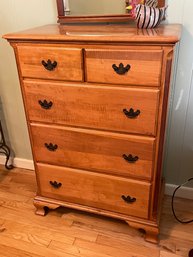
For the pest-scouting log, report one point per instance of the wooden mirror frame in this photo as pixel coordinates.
(62, 19)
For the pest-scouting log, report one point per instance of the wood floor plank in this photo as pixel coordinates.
(99, 222)
(180, 247)
(167, 254)
(35, 234)
(31, 248)
(129, 245)
(15, 204)
(109, 229)
(6, 251)
(173, 228)
(103, 249)
(75, 250)
(50, 222)
(6, 194)
(106, 226)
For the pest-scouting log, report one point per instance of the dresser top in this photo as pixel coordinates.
(164, 34)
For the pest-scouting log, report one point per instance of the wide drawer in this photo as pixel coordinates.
(96, 151)
(101, 191)
(50, 62)
(131, 110)
(134, 67)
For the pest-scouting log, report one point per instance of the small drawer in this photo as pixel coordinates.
(104, 152)
(50, 62)
(131, 110)
(101, 191)
(133, 67)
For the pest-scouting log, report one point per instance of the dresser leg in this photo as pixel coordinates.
(151, 236)
(151, 232)
(42, 207)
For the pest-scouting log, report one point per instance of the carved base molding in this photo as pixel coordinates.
(43, 204)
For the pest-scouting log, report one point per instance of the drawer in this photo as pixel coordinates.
(100, 191)
(134, 67)
(131, 110)
(105, 152)
(50, 62)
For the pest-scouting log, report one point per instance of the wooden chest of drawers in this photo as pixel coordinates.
(96, 101)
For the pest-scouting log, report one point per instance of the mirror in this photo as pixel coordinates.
(94, 11)
(99, 7)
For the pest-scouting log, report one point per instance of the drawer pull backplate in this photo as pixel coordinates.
(131, 114)
(49, 65)
(128, 199)
(45, 104)
(55, 184)
(121, 70)
(51, 147)
(129, 158)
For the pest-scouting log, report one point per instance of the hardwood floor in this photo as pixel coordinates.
(70, 233)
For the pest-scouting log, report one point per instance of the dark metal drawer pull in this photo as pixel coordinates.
(49, 65)
(45, 104)
(130, 158)
(128, 199)
(131, 113)
(55, 184)
(121, 70)
(51, 147)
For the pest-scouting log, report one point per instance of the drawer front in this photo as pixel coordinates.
(51, 62)
(107, 108)
(134, 67)
(95, 190)
(110, 153)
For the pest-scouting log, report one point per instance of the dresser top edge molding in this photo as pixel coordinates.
(164, 34)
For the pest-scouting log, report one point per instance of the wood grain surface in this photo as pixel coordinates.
(69, 62)
(93, 106)
(144, 66)
(101, 191)
(95, 151)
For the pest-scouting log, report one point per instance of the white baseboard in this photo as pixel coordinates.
(183, 192)
(19, 163)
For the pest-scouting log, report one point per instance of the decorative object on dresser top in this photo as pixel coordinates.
(96, 101)
(146, 15)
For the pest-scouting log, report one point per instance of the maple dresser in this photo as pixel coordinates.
(96, 102)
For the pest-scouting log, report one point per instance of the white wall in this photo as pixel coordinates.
(179, 156)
